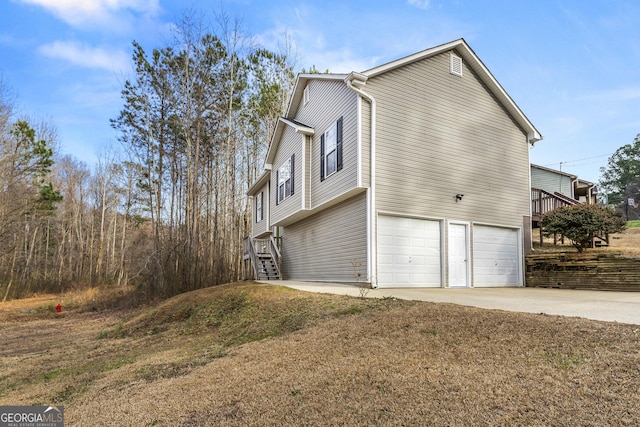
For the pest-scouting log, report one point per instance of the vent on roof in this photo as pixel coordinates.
(305, 96)
(456, 65)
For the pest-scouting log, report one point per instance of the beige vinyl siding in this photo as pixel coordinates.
(291, 143)
(261, 227)
(551, 182)
(438, 135)
(321, 247)
(329, 101)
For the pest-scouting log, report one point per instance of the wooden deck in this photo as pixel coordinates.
(543, 202)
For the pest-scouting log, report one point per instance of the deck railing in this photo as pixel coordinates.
(543, 201)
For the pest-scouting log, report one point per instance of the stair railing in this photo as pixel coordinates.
(254, 247)
(275, 254)
(250, 253)
(603, 237)
(542, 201)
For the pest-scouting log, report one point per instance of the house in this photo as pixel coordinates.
(414, 173)
(552, 189)
(554, 181)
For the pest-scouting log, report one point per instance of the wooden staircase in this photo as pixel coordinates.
(267, 268)
(600, 240)
(262, 259)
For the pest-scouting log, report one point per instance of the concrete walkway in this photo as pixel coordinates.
(623, 307)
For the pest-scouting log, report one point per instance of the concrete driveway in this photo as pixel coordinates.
(623, 307)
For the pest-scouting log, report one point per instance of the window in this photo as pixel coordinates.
(455, 65)
(284, 177)
(305, 96)
(331, 150)
(259, 201)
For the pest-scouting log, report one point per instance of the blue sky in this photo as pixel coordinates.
(572, 66)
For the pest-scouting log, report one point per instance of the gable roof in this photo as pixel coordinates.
(473, 61)
(301, 83)
(460, 46)
(282, 122)
(581, 182)
(259, 183)
(567, 174)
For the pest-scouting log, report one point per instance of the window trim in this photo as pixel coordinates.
(286, 192)
(324, 154)
(260, 207)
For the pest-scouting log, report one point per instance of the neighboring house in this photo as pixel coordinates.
(411, 174)
(554, 181)
(552, 189)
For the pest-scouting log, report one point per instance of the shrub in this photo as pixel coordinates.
(579, 223)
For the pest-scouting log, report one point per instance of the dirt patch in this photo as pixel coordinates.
(330, 360)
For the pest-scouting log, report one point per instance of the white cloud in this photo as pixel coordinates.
(86, 56)
(420, 4)
(87, 13)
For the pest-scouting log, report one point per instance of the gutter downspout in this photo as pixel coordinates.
(530, 248)
(574, 187)
(357, 79)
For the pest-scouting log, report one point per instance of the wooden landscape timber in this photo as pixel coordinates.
(603, 271)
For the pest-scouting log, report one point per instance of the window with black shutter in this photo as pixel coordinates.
(331, 150)
(284, 178)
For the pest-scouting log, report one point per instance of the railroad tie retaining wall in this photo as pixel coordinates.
(604, 271)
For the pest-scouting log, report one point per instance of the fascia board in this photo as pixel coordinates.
(473, 61)
(259, 183)
(277, 135)
(301, 83)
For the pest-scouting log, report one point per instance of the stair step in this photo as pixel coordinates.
(265, 266)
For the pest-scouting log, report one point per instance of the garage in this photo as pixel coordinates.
(409, 252)
(496, 257)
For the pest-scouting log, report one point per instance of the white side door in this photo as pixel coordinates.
(458, 255)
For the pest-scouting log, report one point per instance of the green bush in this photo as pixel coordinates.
(579, 223)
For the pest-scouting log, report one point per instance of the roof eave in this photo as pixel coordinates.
(301, 83)
(260, 182)
(479, 68)
(567, 174)
(277, 134)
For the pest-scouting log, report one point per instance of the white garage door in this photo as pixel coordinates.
(496, 257)
(408, 252)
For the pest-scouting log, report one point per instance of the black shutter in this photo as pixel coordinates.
(261, 205)
(339, 144)
(293, 170)
(277, 188)
(322, 157)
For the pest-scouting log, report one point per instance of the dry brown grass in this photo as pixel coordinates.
(627, 243)
(249, 354)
